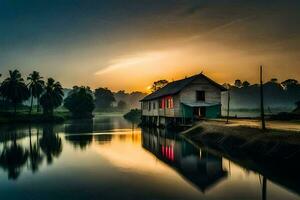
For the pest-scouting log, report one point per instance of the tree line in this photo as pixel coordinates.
(14, 90)
(245, 95)
(47, 95)
(277, 94)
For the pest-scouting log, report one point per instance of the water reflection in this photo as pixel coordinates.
(152, 163)
(35, 155)
(50, 143)
(13, 158)
(199, 167)
(79, 133)
(23, 146)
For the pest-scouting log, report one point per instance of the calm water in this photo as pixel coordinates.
(109, 158)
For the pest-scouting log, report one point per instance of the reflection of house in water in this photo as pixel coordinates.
(199, 167)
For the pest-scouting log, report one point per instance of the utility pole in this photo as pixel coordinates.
(264, 188)
(262, 111)
(228, 103)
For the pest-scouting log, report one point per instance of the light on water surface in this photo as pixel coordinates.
(108, 158)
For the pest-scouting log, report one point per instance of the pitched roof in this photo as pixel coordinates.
(176, 86)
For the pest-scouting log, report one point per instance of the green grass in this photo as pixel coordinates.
(23, 116)
(60, 115)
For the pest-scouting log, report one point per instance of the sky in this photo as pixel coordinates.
(128, 44)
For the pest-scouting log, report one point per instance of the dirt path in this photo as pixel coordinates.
(276, 125)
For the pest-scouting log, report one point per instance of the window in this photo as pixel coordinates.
(200, 95)
(149, 106)
(171, 103)
(154, 105)
(167, 102)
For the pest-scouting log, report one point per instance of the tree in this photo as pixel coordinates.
(238, 83)
(52, 96)
(245, 84)
(14, 89)
(289, 83)
(274, 80)
(122, 105)
(298, 104)
(80, 102)
(297, 109)
(104, 98)
(36, 88)
(158, 85)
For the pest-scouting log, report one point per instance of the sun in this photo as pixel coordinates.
(149, 88)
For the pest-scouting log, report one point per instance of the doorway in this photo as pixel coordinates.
(199, 112)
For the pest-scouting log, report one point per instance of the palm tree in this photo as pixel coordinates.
(36, 87)
(52, 96)
(14, 89)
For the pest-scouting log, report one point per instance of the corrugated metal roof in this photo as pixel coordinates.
(176, 86)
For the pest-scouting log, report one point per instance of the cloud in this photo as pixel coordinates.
(132, 60)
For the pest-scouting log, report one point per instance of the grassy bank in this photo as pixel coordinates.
(247, 141)
(60, 115)
(274, 154)
(25, 117)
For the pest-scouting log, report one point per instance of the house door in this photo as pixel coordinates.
(199, 112)
(202, 112)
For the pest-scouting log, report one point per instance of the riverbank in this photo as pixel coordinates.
(274, 154)
(59, 116)
(237, 139)
(7, 118)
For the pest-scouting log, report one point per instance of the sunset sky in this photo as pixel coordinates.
(128, 44)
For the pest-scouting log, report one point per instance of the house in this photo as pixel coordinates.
(183, 101)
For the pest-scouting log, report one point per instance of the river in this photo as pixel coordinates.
(110, 158)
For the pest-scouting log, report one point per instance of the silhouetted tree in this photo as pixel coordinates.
(289, 83)
(245, 84)
(80, 102)
(36, 87)
(14, 89)
(238, 83)
(134, 116)
(104, 98)
(297, 110)
(292, 88)
(274, 80)
(52, 96)
(158, 85)
(122, 105)
(132, 99)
